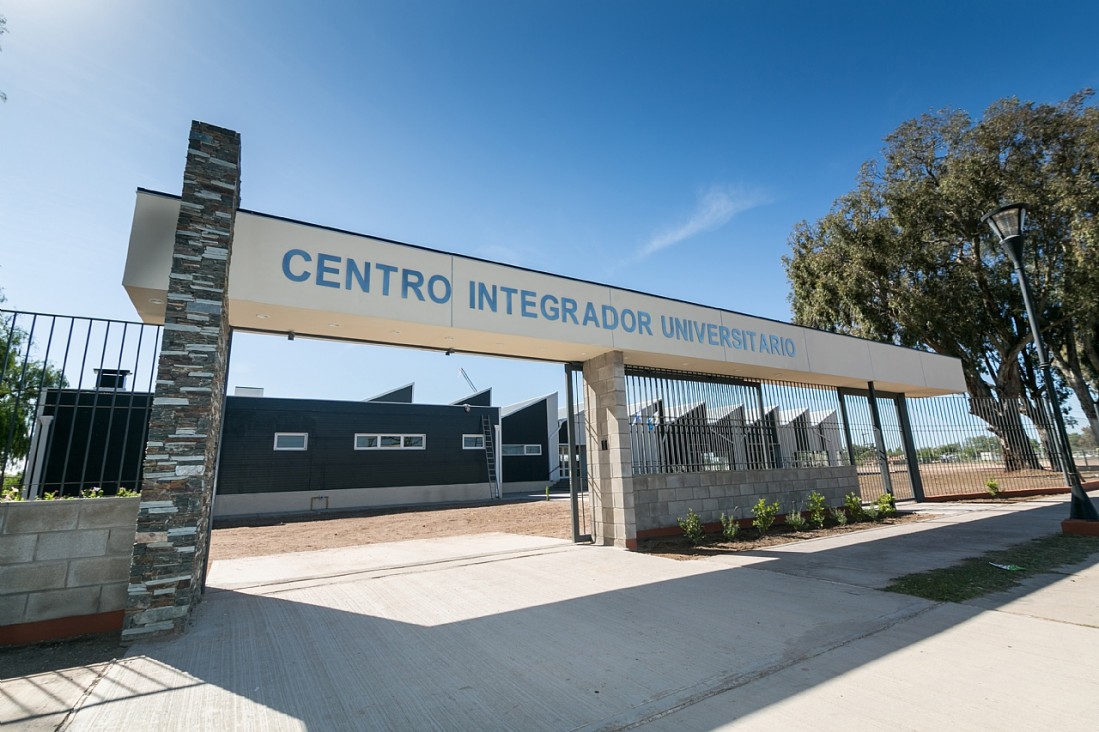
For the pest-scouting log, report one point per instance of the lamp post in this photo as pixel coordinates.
(1007, 223)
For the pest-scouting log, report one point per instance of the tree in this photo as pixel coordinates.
(21, 380)
(1082, 442)
(905, 259)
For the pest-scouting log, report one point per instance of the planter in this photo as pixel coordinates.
(64, 567)
(1079, 527)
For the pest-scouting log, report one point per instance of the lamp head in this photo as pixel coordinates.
(1007, 224)
(1007, 220)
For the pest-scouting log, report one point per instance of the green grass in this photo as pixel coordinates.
(975, 577)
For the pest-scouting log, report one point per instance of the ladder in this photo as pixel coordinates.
(490, 456)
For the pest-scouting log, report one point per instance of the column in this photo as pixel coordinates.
(173, 523)
(610, 453)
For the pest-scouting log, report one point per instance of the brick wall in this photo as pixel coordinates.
(63, 561)
(661, 498)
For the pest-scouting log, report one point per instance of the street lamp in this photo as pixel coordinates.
(1007, 223)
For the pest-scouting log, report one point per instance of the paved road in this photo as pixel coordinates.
(511, 632)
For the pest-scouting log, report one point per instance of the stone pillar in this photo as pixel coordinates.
(169, 559)
(610, 452)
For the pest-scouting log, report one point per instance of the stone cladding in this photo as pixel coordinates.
(170, 545)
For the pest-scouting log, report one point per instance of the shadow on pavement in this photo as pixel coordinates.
(579, 639)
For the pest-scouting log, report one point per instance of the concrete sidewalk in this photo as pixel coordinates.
(513, 632)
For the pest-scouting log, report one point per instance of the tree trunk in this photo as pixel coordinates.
(1074, 378)
(1005, 421)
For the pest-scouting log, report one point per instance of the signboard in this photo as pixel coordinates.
(288, 276)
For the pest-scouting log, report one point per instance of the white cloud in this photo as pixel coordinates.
(715, 208)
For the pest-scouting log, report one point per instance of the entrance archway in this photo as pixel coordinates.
(301, 279)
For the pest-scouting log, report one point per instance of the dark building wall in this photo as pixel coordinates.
(482, 398)
(249, 464)
(96, 439)
(402, 395)
(527, 426)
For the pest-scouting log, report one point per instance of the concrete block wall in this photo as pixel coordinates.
(63, 560)
(610, 455)
(661, 498)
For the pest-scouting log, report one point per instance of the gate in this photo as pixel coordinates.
(879, 443)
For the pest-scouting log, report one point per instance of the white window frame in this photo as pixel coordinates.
(480, 442)
(379, 437)
(517, 450)
(303, 448)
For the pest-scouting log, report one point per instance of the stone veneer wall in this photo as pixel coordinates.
(64, 567)
(661, 498)
(170, 546)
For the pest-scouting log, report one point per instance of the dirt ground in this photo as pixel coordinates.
(259, 538)
(536, 518)
(952, 479)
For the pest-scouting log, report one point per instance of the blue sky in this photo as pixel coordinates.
(667, 147)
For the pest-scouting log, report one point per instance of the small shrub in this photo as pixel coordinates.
(729, 526)
(993, 488)
(124, 492)
(764, 515)
(796, 520)
(853, 505)
(692, 527)
(11, 493)
(50, 496)
(817, 508)
(93, 492)
(885, 506)
(839, 515)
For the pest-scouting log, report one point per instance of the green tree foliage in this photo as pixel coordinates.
(905, 259)
(1082, 442)
(21, 380)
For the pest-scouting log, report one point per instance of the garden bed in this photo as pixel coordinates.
(749, 539)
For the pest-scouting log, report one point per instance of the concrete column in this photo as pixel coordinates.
(610, 453)
(169, 559)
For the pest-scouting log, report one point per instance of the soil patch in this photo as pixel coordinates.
(678, 547)
(263, 537)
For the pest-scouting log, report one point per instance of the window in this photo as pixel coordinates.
(291, 440)
(515, 450)
(473, 442)
(390, 442)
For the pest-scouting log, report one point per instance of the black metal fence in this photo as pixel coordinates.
(75, 395)
(972, 446)
(953, 445)
(682, 422)
(74, 401)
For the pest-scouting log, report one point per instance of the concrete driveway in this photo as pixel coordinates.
(510, 632)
